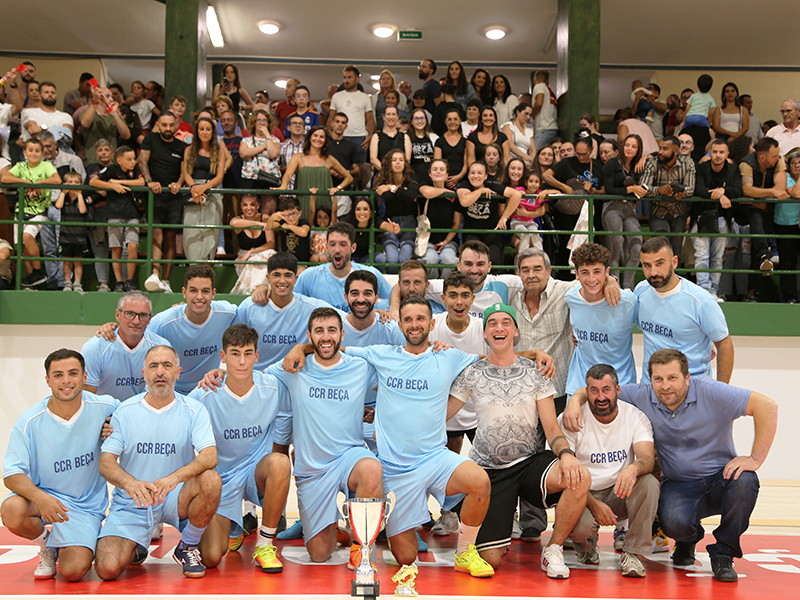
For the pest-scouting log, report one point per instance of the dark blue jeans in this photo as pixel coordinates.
(684, 503)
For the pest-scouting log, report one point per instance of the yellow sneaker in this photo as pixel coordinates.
(235, 543)
(472, 563)
(267, 559)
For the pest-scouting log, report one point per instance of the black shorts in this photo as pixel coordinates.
(526, 480)
(168, 211)
(73, 249)
(470, 433)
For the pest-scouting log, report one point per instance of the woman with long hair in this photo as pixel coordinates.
(442, 214)
(232, 88)
(313, 169)
(545, 159)
(388, 138)
(480, 83)
(486, 133)
(524, 219)
(463, 92)
(730, 120)
(398, 190)
(423, 141)
(520, 135)
(259, 154)
(621, 179)
(255, 245)
(388, 83)
(493, 159)
(362, 217)
(503, 99)
(203, 169)
(452, 147)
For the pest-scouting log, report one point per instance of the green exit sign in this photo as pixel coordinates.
(409, 35)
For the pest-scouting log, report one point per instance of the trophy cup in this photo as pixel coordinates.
(366, 517)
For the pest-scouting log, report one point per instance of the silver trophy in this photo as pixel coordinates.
(366, 517)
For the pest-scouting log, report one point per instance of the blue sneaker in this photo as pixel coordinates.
(188, 557)
(423, 547)
(295, 532)
(139, 555)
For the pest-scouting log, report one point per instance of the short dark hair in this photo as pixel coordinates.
(294, 118)
(282, 260)
(690, 90)
(591, 254)
(720, 142)
(412, 265)
(48, 83)
(341, 114)
(34, 141)
(199, 271)
(177, 97)
(169, 113)
(118, 87)
(704, 82)
(239, 335)
(656, 244)
(765, 145)
(352, 69)
(458, 279)
(599, 371)
(323, 312)
(743, 96)
(476, 103)
(361, 275)
(672, 139)
(303, 87)
(289, 202)
(344, 228)
(433, 65)
(119, 151)
(474, 245)
(666, 356)
(415, 300)
(63, 354)
(656, 87)
(85, 77)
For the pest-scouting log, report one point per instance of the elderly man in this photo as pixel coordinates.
(706, 477)
(787, 134)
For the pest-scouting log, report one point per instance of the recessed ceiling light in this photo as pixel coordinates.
(269, 27)
(377, 85)
(214, 30)
(495, 33)
(281, 83)
(375, 77)
(383, 31)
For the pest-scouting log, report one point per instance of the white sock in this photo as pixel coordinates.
(266, 535)
(466, 536)
(42, 539)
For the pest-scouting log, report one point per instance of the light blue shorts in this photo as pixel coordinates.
(316, 495)
(238, 485)
(411, 485)
(137, 524)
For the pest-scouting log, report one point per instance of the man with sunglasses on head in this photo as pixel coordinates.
(115, 367)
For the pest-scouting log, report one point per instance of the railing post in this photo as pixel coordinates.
(374, 198)
(18, 247)
(590, 228)
(149, 264)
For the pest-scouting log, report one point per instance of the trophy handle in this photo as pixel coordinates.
(389, 503)
(344, 507)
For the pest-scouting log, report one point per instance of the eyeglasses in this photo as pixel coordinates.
(130, 315)
(581, 154)
(419, 119)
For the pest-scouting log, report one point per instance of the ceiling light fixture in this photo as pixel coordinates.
(376, 85)
(269, 27)
(375, 77)
(384, 31)
(214, 30)
(281, 83)
(495, 33)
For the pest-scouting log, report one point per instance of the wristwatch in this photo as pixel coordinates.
(393, 188)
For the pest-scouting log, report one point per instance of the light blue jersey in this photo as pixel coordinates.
(152, 444)
(604, 334)
(686, 318)
(377, 334)
(436, 307)
(326, 411)
(115, 369)
(279, 329)
(197, 346)
(412, 399)
(61, 458)
(496, 288)
(319, 282)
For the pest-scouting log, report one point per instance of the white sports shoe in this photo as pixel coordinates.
(153, 283)
(47, 564)
(165, 287)
(553, 562)
(446, 524)
(631, 565)
(158, 532)
(516, 529)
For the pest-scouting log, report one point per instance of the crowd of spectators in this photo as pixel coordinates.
(493, 145)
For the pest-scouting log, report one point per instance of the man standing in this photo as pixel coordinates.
(358, 108)
(706, 477)
(510, 396)
(427, 69)
(347, 153)
(114, 367)
(787, 134)
(675, 313)
(293, 144)
(160, 458)
(616, 446)
(544, 109)
(160, 161)
(81, 96)
(286, 107)
(755, 133)
(243, 412)
(101, 120)
(719, 181)
(36, 120)
(51, 469)
(670, 176)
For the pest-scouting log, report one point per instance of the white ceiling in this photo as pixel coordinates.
(318, 37)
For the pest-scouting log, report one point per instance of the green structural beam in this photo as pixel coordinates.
(578, 42)
(185, 51)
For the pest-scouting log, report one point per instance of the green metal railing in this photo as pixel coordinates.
(148, 225)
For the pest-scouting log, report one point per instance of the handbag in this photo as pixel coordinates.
(269, 179)
(423, 232)
(572, 206)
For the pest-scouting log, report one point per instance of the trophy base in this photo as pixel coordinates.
(365, 590)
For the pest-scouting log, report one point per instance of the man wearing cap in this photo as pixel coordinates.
(510, 396)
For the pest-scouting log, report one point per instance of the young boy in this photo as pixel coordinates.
(292, 231)
(35, 170)
(700, 104)
(120, 208)
(73, 237)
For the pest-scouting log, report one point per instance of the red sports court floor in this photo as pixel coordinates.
(769, 569)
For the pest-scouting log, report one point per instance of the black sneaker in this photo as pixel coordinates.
(281, 524)
(130, 285)
(188, 557)
(530, 534)
(723, 569)
(5, 284)
(683, 556)
(119, 287)
(139, 555)
(249, 523)
(37, 277)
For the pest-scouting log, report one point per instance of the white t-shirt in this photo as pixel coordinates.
(606, 449)
(5, 114)
(355, 105)
(546, 119)
(144, 108)
(51, 119)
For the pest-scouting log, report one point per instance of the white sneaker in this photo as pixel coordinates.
(590, 557)
(631, 565)
(446, 524)
(153, 283)
(516, 529)
(620, 531)
(47, 564)
(158, 532)
(660, 541)
(220, 251)
(164, 286)
(553, 562)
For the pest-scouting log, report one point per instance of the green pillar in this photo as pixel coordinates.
(578, 41)
(185, 52)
